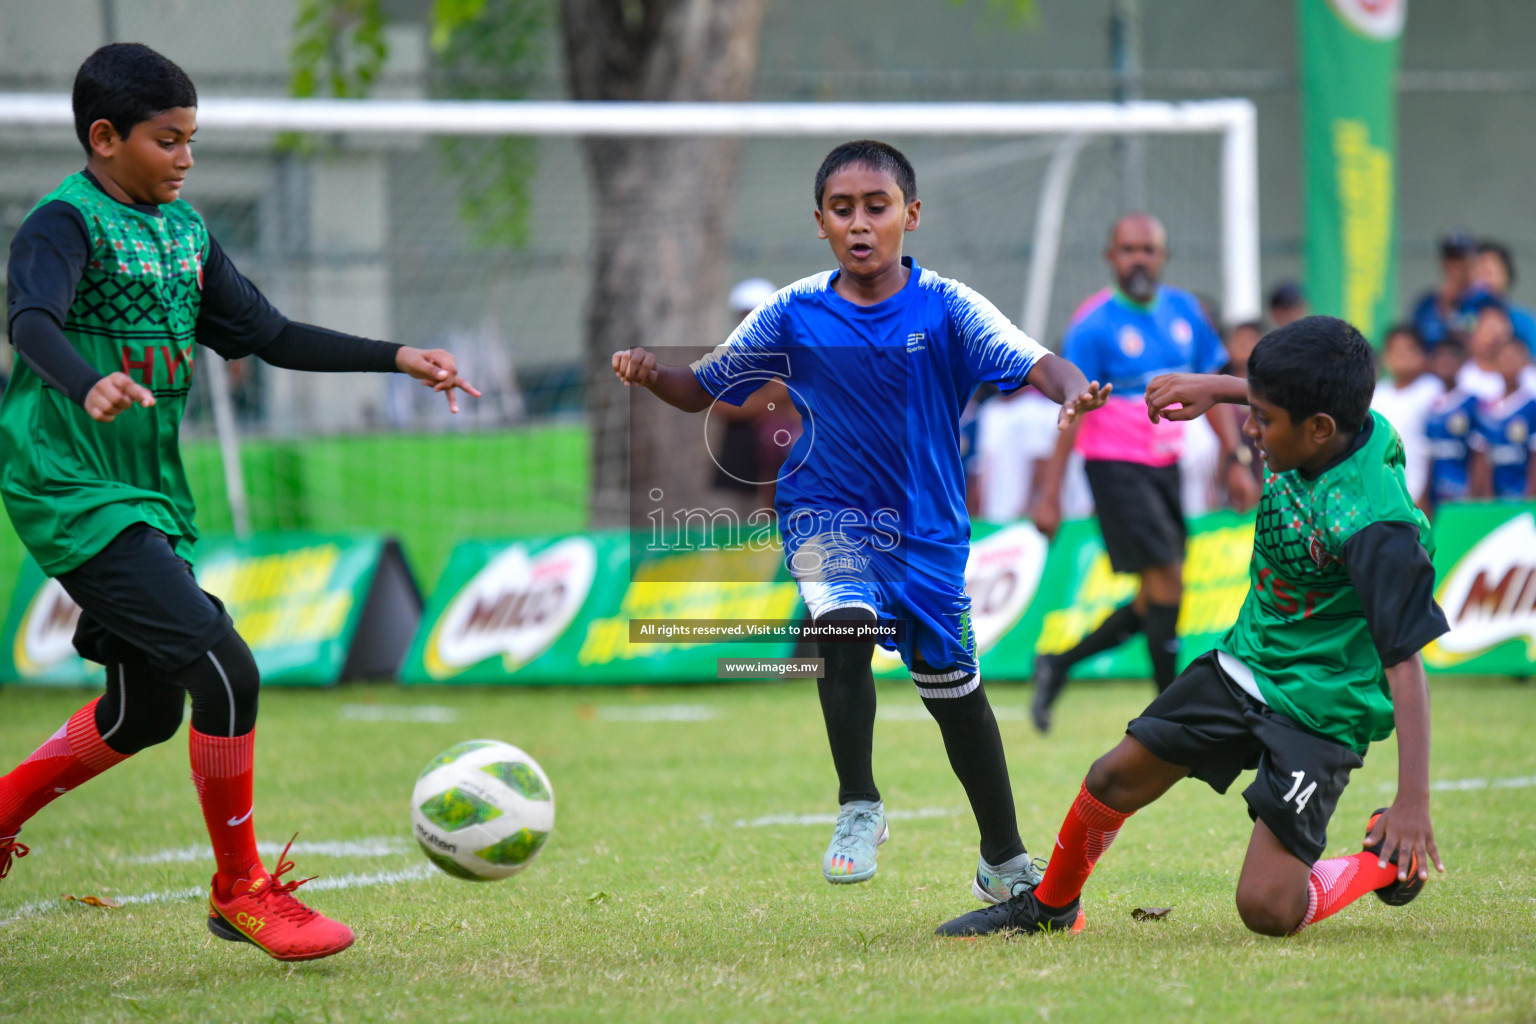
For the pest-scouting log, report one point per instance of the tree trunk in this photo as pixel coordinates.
(661, 215)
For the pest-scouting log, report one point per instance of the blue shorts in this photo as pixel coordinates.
(939, 638)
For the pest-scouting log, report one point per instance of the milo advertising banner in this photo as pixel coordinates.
(560, 610)
(1485, 571)
(315, 609)
(1080, 590)
(1349, 56)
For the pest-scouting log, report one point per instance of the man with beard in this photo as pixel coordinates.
(1128, 335)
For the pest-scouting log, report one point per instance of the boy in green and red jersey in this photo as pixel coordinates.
(113, 280)
(1322, 661)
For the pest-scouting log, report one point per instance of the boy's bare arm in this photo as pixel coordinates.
(1405, 826)
(1063, 383)
(675, 385)
(1196, 393)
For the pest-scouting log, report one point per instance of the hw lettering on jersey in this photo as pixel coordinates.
(1287, 598)
(162, 361)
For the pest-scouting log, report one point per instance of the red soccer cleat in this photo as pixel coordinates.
(9, 848)
(265, 914)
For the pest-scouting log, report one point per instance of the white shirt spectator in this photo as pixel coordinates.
(1406, 409)
(1198, 465)
(1013, 434)
(1487, 385)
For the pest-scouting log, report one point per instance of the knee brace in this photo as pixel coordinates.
(139, 709)
(843, 662)
(224, 683)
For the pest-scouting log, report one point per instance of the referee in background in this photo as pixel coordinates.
(1127, 335)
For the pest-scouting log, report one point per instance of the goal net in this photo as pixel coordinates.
(362, 216)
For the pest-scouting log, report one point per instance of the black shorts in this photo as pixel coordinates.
(1141, 513)
(138, 592)
(1210, 725)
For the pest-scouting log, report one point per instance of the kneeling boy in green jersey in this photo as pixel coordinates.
(1323, 660)
(113, 281)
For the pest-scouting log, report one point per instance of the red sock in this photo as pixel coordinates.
(1337, 883)
(72, 756)
(222, 770)
(1085, 834)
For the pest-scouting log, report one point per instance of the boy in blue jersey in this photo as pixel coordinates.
(1505, 432)
(1448, 427)
(880, 356)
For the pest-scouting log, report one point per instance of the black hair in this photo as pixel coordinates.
(1404, 330)
(1318, 364)
(125, 84)
(1500, 250)
(877, 156)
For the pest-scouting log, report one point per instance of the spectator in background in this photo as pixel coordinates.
(1479, 375)
(1502, 466)
(1239, 341)
(1404, 397)
(757, 434)
(1448, 428)
(1435, 313)
(1493, 273)
(1287, 303)
(1015, 439)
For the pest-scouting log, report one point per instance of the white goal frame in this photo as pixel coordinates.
(1072, 124)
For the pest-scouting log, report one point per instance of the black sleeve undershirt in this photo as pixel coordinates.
(41, 344)
(48, 257)
(1392, 573)
(319, 350)
(237, 320)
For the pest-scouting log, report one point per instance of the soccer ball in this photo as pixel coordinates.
(482, 810)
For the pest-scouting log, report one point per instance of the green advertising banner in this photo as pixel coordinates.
(314, 608)
(557, 610)
(1485, 568)
(1349, 57)
(1083, 590)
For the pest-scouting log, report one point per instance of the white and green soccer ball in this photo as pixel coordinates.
(482, 810)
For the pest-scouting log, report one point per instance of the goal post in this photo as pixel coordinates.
(1062, 213)
(1234, 120)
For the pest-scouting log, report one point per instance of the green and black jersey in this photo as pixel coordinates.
(133, 287)
(1341, 584)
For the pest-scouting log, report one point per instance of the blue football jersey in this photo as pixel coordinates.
(1449, 428)
(1115, 341)
(1506, 429)
(880, 390)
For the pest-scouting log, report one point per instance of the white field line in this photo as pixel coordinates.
(769, 820)
(918, 713)
(397, 713)
(376, 846)
(657, 713)
(1463, 785)
(418, 873)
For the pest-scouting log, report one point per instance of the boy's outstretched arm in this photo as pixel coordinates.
(675, 385)
(1406, 826)
(1063, 383)
(1194, 392)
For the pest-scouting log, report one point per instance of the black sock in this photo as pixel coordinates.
(975, 750)
(847, 691)
(1163, 642)
(1122, 624)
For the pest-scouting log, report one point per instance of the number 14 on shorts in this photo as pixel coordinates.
(1301, 795)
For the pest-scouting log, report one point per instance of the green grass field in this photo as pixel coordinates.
(665, 895)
